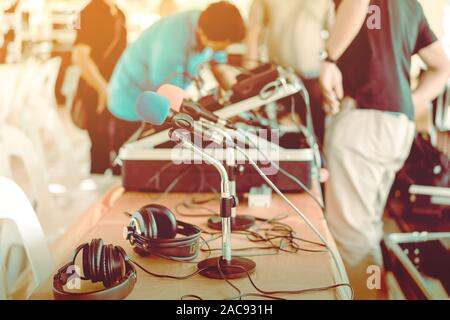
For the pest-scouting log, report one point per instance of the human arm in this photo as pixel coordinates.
(437, 74)
(349, 20)
(254, 30)
(81, 57)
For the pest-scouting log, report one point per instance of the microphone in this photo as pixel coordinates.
(153, 108)
(196, 111)
(183, 121)
(177, 95)
(186, 122)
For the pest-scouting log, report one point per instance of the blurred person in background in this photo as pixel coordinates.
(365, 79)
(172, 51)
(100, 41)
(294, 32)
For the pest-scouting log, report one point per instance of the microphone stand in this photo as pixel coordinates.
(238, 222)
(224, 267)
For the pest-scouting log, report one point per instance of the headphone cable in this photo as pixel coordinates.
(167, 276)
(267, 294)
(271, 293)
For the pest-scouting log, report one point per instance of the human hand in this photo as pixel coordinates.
(331, 86)
(102, 100)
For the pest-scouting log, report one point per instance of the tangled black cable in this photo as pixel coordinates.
(165, 275)
(278, 231)
(286, 242)
(269, 294)
(192, 206)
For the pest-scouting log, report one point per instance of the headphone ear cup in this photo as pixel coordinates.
(86, 262)
(146, 222)
(118, 265)
(96, 260)
(116, 270)
(107, 267)
(104, 266)
(165, 222)
(141, 221)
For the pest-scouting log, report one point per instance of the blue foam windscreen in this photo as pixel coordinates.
(153, 108)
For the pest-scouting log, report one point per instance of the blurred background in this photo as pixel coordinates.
(37, 86)
(40, 147)
(36, 42)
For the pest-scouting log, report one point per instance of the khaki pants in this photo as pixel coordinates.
(364, 151)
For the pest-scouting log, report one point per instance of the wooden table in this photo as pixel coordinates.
(284, 271)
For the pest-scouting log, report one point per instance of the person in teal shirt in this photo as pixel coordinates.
(172, 51)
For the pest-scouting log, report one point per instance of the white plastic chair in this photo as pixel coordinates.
(13, 143)
(9, 80)
(22, 90)
(54, 66)
(36, 114)
(44, 82)
(15, 207)
(26, 102)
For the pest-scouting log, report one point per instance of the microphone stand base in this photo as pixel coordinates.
(237, 268)
(239, 223)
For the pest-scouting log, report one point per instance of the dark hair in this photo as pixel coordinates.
(222, 21)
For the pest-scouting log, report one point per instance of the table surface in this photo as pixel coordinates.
(280, 272)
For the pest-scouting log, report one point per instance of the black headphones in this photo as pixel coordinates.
(101, 263)
(153, 230)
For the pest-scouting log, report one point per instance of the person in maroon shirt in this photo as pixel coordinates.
(100, 42)
(365, 80)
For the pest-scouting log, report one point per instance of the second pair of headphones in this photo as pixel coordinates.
(107, 264)
(154, 230)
